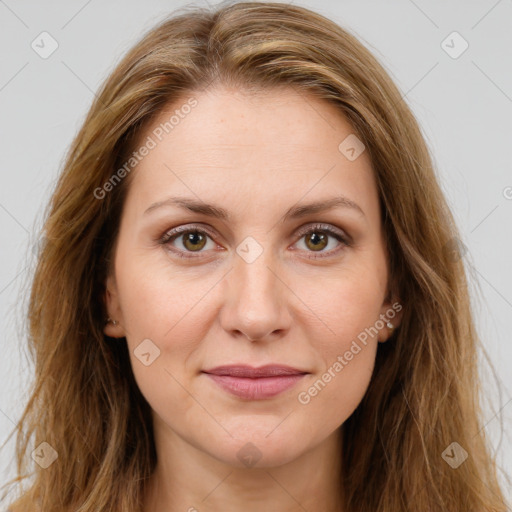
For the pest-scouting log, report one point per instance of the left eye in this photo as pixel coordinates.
(317, 239)
(194, 240)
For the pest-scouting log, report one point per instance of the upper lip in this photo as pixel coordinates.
(269, 370)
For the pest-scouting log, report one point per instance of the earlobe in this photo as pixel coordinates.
(113, 329)
(391, 316)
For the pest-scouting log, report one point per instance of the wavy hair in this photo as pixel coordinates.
(425, 391)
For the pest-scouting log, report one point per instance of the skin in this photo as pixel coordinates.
(255, 156)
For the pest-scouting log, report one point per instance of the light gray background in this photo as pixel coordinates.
(464, 106)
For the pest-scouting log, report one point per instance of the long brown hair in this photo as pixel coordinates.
(424, 393)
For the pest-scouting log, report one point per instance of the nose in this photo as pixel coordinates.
(256, 300)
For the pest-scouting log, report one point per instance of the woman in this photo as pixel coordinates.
(249, 292)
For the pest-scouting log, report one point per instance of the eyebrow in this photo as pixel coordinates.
(294, 212)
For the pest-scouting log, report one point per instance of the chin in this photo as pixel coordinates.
(258, 447)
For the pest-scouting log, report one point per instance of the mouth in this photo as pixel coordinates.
(255, 383)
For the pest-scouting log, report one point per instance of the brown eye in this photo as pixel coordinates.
(185, 241)
(194, 240)
(316, 240)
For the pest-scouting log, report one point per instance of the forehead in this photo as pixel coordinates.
(225, 142)
(279, 121)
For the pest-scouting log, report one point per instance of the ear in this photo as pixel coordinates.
(113, 310)
(391, 312)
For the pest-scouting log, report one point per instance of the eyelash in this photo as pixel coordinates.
(169, 236)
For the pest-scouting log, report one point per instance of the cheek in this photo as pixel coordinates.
(169, 325)
(347, 363)
(157, 301)
(349, 309)
(333, 395)
(348, 306)
(164, 323)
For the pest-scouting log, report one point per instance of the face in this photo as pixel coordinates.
(218, 263)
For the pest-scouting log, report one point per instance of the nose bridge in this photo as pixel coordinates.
(254, 305)
(256, 278)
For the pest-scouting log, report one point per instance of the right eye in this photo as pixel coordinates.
(192, 239)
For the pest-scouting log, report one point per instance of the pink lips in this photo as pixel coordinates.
(255, 383)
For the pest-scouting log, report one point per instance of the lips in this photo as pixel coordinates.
(252, 383)
(249, 372)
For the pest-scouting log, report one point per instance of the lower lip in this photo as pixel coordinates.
(256, 389)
